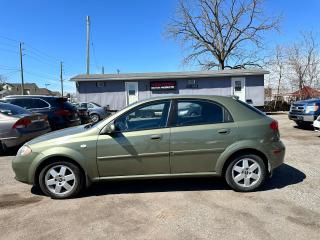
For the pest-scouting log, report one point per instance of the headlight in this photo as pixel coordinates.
(24, 151)
(312, 108)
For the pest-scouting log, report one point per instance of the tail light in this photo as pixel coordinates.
(22, 123)
(274, 125)
(63, 112)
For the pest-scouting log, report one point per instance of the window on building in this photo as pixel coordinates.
(100, 84)
(192, 83)
(237, 86)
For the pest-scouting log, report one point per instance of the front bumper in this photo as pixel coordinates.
(316, 125)
(302, 117)
(23, 167)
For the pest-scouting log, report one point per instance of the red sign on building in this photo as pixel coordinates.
(163, 85)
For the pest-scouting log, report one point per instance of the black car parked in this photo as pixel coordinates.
(60, 112)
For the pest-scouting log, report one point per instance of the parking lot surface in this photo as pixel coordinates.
(287, 207)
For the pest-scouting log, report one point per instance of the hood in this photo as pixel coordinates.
(68, 132)
(309, 101)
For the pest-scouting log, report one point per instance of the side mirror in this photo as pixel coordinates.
(109, 129)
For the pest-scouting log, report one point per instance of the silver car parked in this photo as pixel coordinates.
(96, 112)
(18, 125)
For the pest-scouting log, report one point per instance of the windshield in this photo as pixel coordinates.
(11, 110)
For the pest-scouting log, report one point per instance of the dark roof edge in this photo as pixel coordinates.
(168, 75)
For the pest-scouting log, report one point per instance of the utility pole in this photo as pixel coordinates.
(61, 79)
(88, 45)
(21, 70)
(102, 69)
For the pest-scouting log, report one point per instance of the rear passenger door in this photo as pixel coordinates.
(201, 131)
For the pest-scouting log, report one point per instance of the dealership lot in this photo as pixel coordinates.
(288, 207)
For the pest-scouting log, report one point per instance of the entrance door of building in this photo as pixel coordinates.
(132, 94)
(238, 88)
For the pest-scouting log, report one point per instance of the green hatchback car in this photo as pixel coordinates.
(178, 136)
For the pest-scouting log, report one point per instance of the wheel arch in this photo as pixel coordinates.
(245, 151)
(52, 159)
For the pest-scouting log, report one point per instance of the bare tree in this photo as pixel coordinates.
(303, 58)
(278, 67)
(221, 33)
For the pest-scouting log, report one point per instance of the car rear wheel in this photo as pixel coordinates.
(61, 180)
(246, 173)
(94, 117)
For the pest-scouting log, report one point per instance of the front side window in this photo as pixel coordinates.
(149, 116)
(197, 112)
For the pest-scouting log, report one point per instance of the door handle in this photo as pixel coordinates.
(224, 131)
(155, 137)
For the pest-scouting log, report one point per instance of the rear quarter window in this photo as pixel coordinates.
(256, 110)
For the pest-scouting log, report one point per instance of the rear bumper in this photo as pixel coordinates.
(19, 139)
(301, 117)
(72, 123)
(276, 155)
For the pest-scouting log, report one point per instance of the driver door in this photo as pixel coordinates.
(140, 146)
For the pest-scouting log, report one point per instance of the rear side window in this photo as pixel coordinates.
(39, 103)
(251, 108)
(197, 112)
(25, 103)
(11, 110)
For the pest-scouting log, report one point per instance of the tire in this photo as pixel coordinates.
(95, 117)
(246, 173)
(61, 180)
(303, 125)
(1, 148)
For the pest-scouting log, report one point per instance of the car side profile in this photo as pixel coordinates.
(96, 112)
(178, 136)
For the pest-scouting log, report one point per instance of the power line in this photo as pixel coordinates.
(8, 45)
(9, 50)
(10, 39)
(41, 75)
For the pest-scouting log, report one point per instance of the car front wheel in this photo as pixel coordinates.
(246, 173)
(94, 117)
(61, 180)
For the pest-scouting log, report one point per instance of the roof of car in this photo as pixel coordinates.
(209, 97)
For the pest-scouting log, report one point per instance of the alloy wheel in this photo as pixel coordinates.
(60, 180)
(246, 172)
